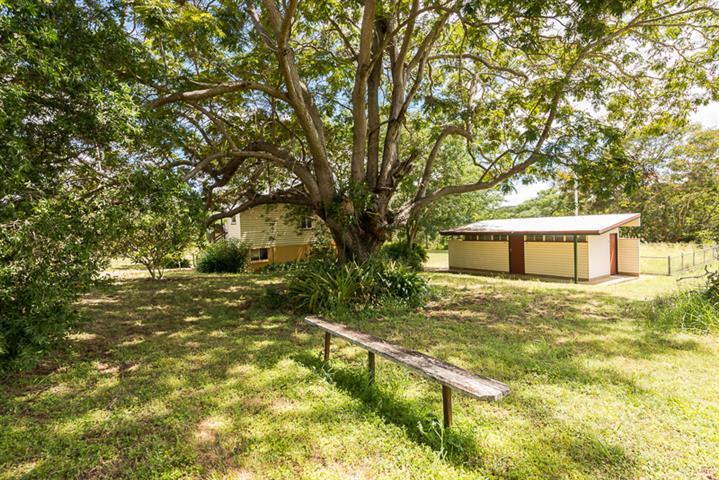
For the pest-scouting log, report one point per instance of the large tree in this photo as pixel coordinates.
(679, 190)
(333, 105)
(67, 119)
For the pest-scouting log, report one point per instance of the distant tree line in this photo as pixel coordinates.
(676, 187)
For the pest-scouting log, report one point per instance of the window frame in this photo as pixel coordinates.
(555, 238)
(306, 222)
(259, 256)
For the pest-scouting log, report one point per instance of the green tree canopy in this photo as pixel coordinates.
(69, 118)
(678, 194)
(335, 105)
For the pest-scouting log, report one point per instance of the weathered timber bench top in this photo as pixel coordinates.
(447, 374)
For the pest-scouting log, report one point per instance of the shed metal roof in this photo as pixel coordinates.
(579, 224)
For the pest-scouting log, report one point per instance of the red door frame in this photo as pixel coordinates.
(613, 254)
(516, 251)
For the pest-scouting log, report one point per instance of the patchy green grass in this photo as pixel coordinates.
(190, 378)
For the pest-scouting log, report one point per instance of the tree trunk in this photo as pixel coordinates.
(356, 242)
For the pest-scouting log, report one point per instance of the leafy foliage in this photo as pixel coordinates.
(413, 255)
(68, 115)
(551, 202)
(678, 192)
(320, 285)
(47, 260)
(350, 110)
(228, 255)
(164, 216)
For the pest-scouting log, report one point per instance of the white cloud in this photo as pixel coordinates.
(708, 115)
(525, 192)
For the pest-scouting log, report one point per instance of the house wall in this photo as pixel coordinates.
(267, 226)
(628, 251)
(479, 255)
(556, 259)
(280, 254)
(598, 255)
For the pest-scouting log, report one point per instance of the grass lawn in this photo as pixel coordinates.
(191, 378)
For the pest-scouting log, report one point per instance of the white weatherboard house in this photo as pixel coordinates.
(582, 247)
(274, 235)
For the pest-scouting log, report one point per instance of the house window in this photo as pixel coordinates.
(556, 238)
(233, 220)
(259, 255)
(486, 237)
(306, 222)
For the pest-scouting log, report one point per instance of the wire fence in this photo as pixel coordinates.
(677, 263)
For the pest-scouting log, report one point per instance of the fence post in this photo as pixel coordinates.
(669, 265)
(694, 257)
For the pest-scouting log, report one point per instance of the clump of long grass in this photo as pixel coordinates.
(695, 310)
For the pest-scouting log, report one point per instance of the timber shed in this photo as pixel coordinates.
(582, 247)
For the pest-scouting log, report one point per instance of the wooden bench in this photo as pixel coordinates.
(450, 376)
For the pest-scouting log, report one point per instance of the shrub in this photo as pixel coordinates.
(696, 311)
(691, 311)
(225, 256)
(322, 285)
(413, 255)
(164, 217)
(47, 260)
(176, 260)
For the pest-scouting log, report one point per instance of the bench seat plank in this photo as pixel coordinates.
(447, 374)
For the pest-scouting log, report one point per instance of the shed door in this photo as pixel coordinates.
(516, 254)
(613, 253)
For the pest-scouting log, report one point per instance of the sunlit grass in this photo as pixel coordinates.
(190, 378)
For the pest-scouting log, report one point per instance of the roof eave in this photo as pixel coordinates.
(619, 224)
(459, 231)
(520, 232)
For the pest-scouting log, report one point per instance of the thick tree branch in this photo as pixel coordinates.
(216, 91)
(289, 197)
(302, 102)
(429, 164)
(359, 93)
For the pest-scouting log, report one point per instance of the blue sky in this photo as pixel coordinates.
(707, 116)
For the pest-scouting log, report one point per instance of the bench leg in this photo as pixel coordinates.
(447, 405)
(327, 346)
(370, 366)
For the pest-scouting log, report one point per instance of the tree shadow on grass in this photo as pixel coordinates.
(427, 428)
(172, 346)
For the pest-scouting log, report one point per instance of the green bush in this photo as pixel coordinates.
(413, 255)
(322, 285)
(225, 256)
(690, 311)
(47, 260)
(175, 260)
(696, 310)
